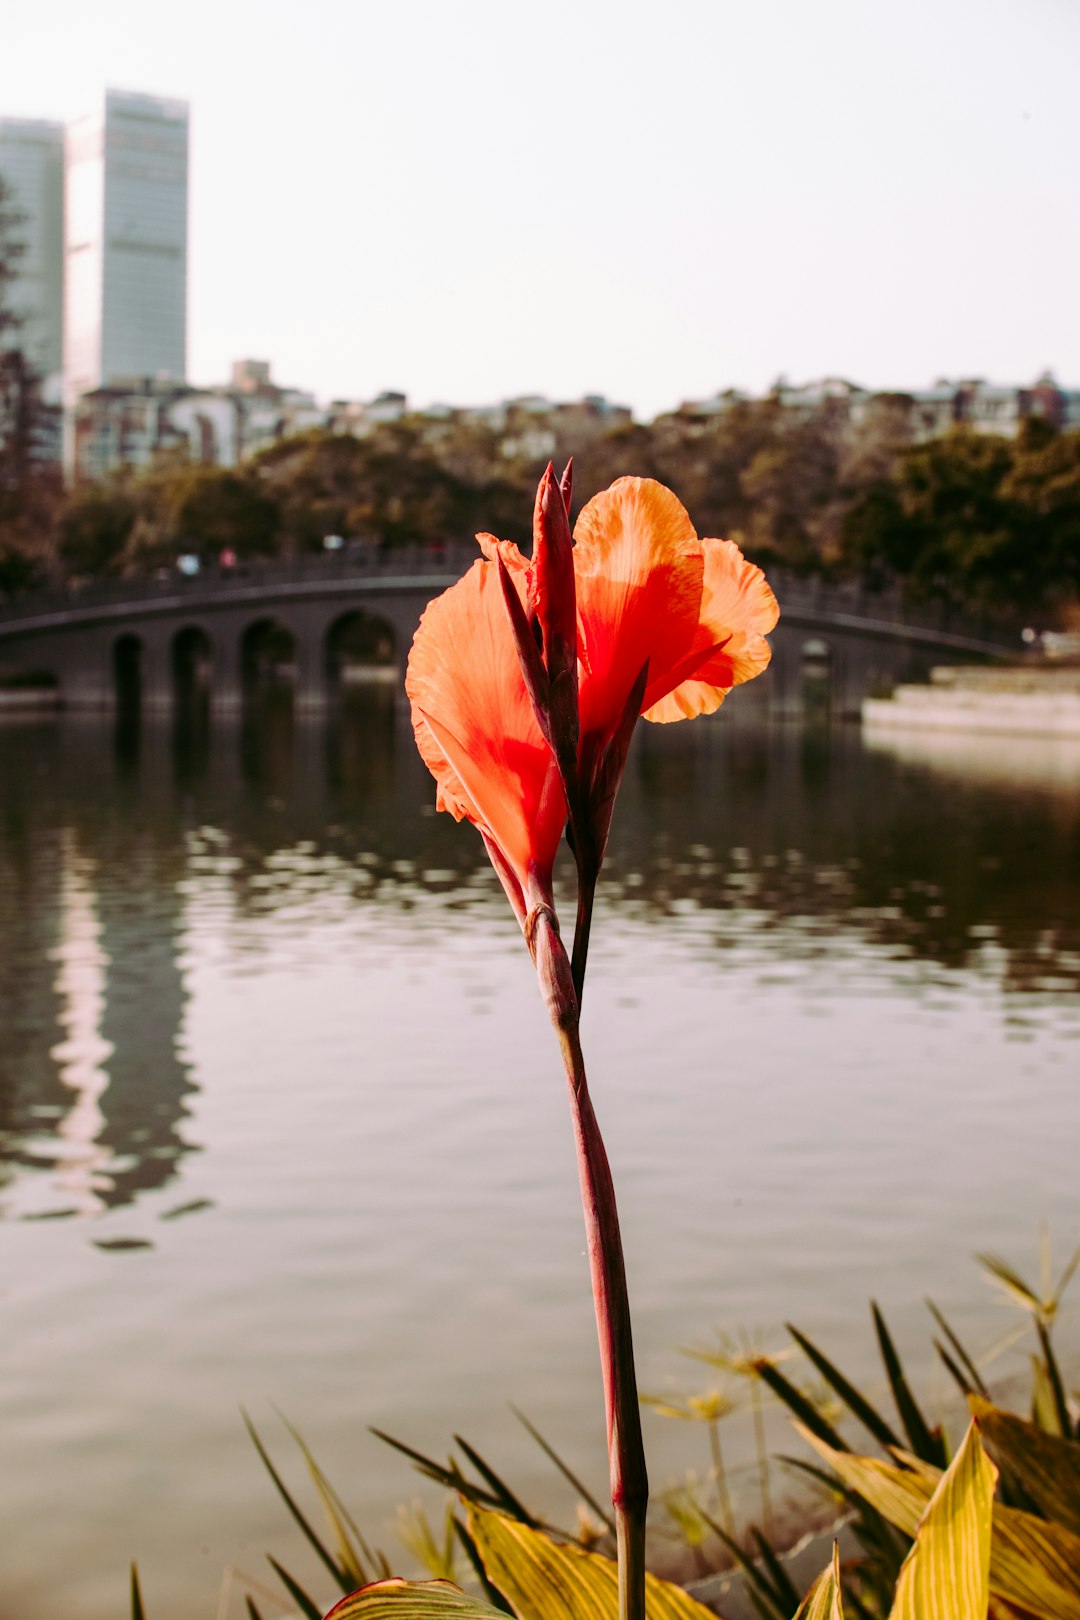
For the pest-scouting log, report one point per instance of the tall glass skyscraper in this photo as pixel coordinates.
(32, 163)
(126, 207)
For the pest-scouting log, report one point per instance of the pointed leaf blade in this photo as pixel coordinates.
(759, 1588)
(354, 1554)
(315, 1540)
(572, 1479)
(962, 1356)
(1010, 1281)
(804, 1410)
(1067, 1275)
(946, 1576)
(306, 1604)
(1048, 1468)
(823, 1601)
(853, 1398)
(1059, 1404)
(781, 1580)
(508, 1502)
(1033, 1564)
(137, 1610)
(924, 1442)
(564, 1583)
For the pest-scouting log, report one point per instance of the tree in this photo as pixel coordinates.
(95, 527)
(219, 509)
(1044, 489)
(317, 479)
(792, 487)
(946, 525)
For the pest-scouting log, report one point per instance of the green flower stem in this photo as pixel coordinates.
(626, 1455)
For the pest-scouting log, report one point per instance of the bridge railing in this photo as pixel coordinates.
(812, 595)
(444, 561)
(439, 563)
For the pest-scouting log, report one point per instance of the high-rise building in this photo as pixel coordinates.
(126, 207)
(32, 163)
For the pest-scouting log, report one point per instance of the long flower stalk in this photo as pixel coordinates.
(527, 679)
(626, 1454)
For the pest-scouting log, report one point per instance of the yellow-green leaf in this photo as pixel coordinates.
(823, 1601)
(946, 1575)
(1047, 1467)
(545, 1582)
(1033, 1564)
(413, 1600)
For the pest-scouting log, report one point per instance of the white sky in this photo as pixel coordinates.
(466, 199)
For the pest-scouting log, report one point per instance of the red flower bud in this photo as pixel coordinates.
(555, 598)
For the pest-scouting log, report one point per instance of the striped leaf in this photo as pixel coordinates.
(1047, 1467)
(543, 1581)
(413, 1600)
(823, 1601)
(1033, 1564)
(946, 1575)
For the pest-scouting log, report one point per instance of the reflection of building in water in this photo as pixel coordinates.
(80, 983)
(91, 945)
(30, 1096)
(145, 1102)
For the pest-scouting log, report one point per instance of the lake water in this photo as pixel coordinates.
(282, 1124)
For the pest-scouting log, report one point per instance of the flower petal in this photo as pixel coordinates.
(738, 609)
(513, 561)
(640, 571)
(474, 722)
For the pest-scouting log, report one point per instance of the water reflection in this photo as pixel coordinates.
(812, 827)
(272, 1046)
(92, 1083)
(80, 1056)
(777, 839)
(1016, 763)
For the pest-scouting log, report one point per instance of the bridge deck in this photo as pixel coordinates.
(809, 603)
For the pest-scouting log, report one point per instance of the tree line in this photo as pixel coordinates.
(969, 518)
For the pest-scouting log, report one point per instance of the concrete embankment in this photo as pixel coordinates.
(1028, 700)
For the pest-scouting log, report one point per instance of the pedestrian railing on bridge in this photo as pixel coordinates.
(435, 565)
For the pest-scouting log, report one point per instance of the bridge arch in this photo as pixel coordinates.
(359, 647)
(192, 662)
(817, 676)
(269, 656)
(128, 676)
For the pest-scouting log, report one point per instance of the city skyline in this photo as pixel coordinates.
(467, 210)
(104, 212)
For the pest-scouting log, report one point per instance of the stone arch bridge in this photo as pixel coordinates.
(315, 624)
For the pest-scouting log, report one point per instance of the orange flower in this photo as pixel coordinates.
(476, 730)
(649, 592)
